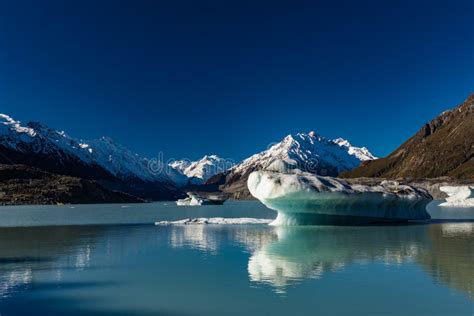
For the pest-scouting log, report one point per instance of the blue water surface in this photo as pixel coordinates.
(112, 260)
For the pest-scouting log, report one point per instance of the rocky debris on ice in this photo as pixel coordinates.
(458, 196)
(216, 221)
(303, 198)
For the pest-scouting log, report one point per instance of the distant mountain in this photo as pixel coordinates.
(309, 152)
(201, 170)
(37, 145)
(442, 147)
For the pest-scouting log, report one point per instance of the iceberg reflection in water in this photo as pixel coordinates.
(204, 269)
(286, 255)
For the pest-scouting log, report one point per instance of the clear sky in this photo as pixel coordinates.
(229, 77)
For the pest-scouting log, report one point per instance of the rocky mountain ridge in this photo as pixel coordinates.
(442, 147)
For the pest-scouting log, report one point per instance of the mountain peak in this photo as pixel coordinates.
(210, 157)
(342, 142)
(6, 119)
(362, 153)
(8, 124)
(309, 152)
(202, 169)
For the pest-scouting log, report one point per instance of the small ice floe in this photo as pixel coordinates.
(195, 199)
(458, 196)
(217, 221)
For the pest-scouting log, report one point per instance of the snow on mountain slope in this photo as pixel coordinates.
(36, 138)
(361, 153)
(10, 126)
(180, 165)
(202, 169)
(309, 152)
(123, 163)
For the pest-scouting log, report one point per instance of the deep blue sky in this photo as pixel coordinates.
(229, 77)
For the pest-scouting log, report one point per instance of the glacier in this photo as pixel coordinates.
(458, 196)
(302, 198)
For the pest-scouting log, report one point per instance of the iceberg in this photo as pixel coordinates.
(458, 196)
(216, 221)
(302, 198)
(195, 199)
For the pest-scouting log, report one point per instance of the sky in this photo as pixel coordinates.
(189, 78)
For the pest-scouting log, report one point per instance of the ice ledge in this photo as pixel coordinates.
(458, 196)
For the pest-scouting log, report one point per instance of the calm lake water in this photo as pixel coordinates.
(131, 267)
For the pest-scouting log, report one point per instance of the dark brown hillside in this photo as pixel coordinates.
(443, 147)
(20, 184)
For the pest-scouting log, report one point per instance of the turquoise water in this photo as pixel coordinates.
(142, 269)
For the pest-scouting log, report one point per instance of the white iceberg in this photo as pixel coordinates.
(217, 221)
(195, 199)
(302, 198)
(458, 196)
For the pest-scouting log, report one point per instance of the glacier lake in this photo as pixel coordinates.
(113, 260)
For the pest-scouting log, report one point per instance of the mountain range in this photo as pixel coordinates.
(443, 147)
(110, 164)
(115, 167)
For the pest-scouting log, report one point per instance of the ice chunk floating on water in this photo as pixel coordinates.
(216, 221)
(459, 196)
(302, 198)
(194, 199)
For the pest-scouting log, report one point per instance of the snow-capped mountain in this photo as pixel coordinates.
(201, 170)
(309, 152)
(361, 153)
(180, 165)
(38, 145)
(306, 151)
